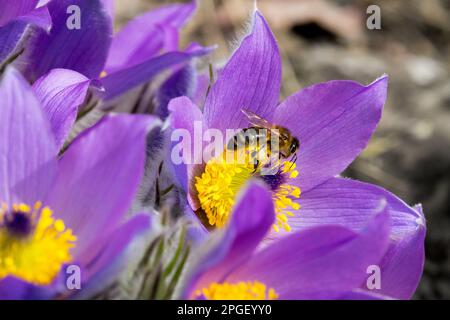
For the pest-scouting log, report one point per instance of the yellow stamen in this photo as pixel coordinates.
(36, 257)
(224, 176)
(219, 184)
(238, 291)
(283, 199)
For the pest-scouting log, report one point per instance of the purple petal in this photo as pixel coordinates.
(318, 263)
(333, 121)
(201, 89)
(171, 38)
(402, 266)
(110, 8)
(363, 295)
(250, 80)
(196, 231)
(39, 17)
(111, 258)
(351, 204)
(105, 264)
(251, 219)
(184, 114)
(123, 80)
(181, 83)
(61, 92)
(12, 34)
(12, 288)
(99, 175)
(10, 10)
(27, 148)
(142, 38)
(83, 50)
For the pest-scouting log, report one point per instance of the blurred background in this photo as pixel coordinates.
(322, 40)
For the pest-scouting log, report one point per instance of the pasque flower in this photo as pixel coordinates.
(142, 49)
(333, 122)
(15, 16)
(26, 10)
(56, 212)
(322, 262)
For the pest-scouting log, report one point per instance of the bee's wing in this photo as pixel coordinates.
(256, 120)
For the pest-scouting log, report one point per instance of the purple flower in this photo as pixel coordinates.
(29, 11)
(323, 262)
(61, 92)
(146, 46)
(56, 212)
(15, 16)
(333, 122)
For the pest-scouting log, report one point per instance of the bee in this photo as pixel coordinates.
(276, 140)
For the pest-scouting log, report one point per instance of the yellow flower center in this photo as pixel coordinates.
(219, 184)
(238, 291)
(33, 245)
(283, 198)
(224, 176)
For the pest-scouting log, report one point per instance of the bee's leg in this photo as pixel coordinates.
(255, 166)
(293, 160)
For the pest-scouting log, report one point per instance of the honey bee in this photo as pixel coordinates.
(277, 141)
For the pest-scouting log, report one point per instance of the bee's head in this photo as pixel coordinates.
(294, 145)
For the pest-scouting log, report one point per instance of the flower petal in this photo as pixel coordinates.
(71, 48)
(203, 83)
(99, 175)
(12, 288)
(11, 36)
(333, 122)
(318, 263)
(61, 92)
(27, 148)
(123, 80)
(110, 8)
(10, 10)
(184, 115)
(181, 83)
(251, 219)
(13, 33)
(363, 295)
(196, 232)
(39, 17)
(250, 80)
(142, 38)
(402, 266)
(103, 267)
(351, 203)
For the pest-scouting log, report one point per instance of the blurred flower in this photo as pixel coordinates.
(55, 212)
(333, 122)
(15, 16)
(142, 49)
(323, 262)
(61, 92)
